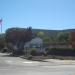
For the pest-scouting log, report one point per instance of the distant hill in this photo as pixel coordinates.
(47, 32)
(52, 33)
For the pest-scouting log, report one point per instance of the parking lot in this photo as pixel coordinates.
(18, 66)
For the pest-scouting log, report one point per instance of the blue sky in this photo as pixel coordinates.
(42, 14)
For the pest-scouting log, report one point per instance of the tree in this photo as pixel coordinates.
(40, 34)
(46, 41)
(63, 37)
(18, 37)
(2, 42)
(72, 38)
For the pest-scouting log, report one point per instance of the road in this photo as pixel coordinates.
(18, 66)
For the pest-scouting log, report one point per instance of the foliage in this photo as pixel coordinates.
(46, 41)
(73, 39)
(33, 51)
(63, 36)
(18, 37)
(40, 34)
(2, 42)
(61, 51)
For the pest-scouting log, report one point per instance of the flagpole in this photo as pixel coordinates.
(1, 25)
(1, 28)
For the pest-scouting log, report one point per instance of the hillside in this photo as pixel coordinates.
(47, 32)
(50, 33)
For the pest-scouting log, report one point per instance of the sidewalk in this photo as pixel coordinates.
(61, 62)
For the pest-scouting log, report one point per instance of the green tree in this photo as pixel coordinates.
(46, 41)
(41, 34)
(63, 37)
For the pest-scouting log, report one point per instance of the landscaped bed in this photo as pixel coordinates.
(42, 58)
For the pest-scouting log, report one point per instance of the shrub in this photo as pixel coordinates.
(62, 51)
(33, 51)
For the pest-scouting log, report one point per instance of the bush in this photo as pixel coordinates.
(33, 51)
(61, 51)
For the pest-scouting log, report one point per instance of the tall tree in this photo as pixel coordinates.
(46, 41)
(41, 34)
(18, 37)
(63, 37)
(2, 41)
(72, 39)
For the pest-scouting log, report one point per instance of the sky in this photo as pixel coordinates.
(39, 14)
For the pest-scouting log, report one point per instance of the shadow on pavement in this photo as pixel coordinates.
(9, 55)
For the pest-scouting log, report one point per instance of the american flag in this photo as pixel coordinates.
(1, 21)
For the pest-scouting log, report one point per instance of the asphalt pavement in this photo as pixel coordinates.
(18, 66)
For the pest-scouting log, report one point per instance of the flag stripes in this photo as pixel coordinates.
(1, 21)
